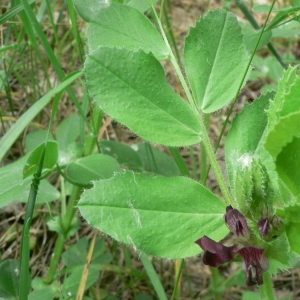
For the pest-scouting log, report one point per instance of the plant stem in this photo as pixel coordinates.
(214, 164)
(215, 283)
(266, 290)
(203, 158)
(175, 64)
(59, 245)
(242, 6)
(24, 259)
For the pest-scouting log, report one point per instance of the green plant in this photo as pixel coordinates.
(137, 194)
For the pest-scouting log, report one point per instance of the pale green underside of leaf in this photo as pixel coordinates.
(122, 26)
(124, 154)
(14, 188)
(157, 215)
(215, 58)
(251, 36)
(34, 159)
(68, 131)
(156, 161)
(92, 167)
(141, 5)
(132, 88)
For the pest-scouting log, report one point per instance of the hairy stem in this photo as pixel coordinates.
(266, 290)
(205, 138)
(215, 165)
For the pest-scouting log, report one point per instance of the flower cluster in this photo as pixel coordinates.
(254, 259)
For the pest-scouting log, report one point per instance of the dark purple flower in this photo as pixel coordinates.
(264, 227)
(215, 253)
(254, 259)
(236, 222)
(254, 264)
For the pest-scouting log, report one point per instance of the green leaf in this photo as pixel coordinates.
(288, 30)
(283, 14)
(70, 286)
(120, 26)
(47, 293)
(283, 139)
(9, 281)
(286, 99)
(288, 165)
(251, 36)
(283, 133)
(292, 232)
(156, 161)
(33, 161)
(250, 296)
(55, 224)
(14, 188)
(124, 154)
(46, 193)
(36, 138)
(158, 215)
(292, 212)
(89, 9)
(141, 5)
(76, 254)
(215, 57)
(267, 67)
(132, 88)
(93, 167)
(245, 135)
(279, 255)
(68, 131)
(11, 181)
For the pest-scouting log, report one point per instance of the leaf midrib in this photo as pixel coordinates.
(144, 97)
(214, 59)
(148, 210)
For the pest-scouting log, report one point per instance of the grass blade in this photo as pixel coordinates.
(153, 277)
(11, 136)
(14, 11)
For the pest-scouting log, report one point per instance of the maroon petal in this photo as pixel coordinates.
(215, 253)
(236, 222)
(254, 264)
(264, 227)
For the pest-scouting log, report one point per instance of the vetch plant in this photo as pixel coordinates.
(139, 195)
(164, 216)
